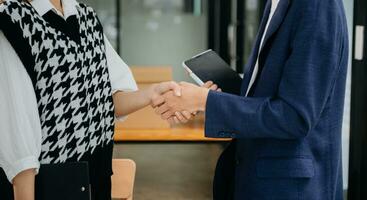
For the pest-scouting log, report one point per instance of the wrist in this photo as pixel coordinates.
(151, 92)
(203, 96)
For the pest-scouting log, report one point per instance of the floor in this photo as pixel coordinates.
(172, 171)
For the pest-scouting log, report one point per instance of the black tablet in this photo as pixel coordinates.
(209, 66)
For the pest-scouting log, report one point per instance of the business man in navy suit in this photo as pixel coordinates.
(286, 125)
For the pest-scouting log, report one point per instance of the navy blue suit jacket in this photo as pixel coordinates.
(287, 133)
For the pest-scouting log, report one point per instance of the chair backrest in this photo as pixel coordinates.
(123, 179)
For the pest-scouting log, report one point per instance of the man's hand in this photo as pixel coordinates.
(157, 90)
(192, 99)
(179, 116)
(157, 99)
(212, 86)
(185, 116)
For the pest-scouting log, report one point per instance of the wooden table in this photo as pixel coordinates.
(191, 132)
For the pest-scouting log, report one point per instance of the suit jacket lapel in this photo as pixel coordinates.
(255, 50)
(277, 20)
(274, 25)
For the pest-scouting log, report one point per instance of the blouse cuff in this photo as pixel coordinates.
(15, 168)
(123, 86)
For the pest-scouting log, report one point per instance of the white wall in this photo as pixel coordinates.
(159, 37)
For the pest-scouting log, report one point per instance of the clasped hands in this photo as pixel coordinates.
(179, 102)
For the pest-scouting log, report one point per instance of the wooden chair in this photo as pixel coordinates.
(123, 179)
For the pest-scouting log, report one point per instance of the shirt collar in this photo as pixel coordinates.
(43, 6)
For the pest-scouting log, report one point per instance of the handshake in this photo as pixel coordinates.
(179, 102)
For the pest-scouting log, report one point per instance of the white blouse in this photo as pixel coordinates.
(20, 127)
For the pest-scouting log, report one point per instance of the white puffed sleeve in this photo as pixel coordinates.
(20, 129)
(120, 74)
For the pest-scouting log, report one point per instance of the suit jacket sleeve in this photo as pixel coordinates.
(307, 80)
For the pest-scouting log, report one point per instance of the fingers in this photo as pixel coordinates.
(176, 120)
(187, 114)
(167, 104)
(157, 101)
(211, 86)
(161, 109)
(181, 117)
(177, 117)
(164, 111)
(208, 84)
(167, 86)
(167, 115)
(171, 121)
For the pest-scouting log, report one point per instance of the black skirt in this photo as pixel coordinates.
(101, 190)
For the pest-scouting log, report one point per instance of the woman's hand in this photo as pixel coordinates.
(157, 90)
(128, 102)
(23, 185)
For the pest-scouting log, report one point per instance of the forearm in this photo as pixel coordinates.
(129, 102)
(23, 185)
(228, 115)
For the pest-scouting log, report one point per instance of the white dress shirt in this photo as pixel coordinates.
(274, 5)
(20, 128)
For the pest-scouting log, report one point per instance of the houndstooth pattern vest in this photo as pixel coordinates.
(71, 82)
